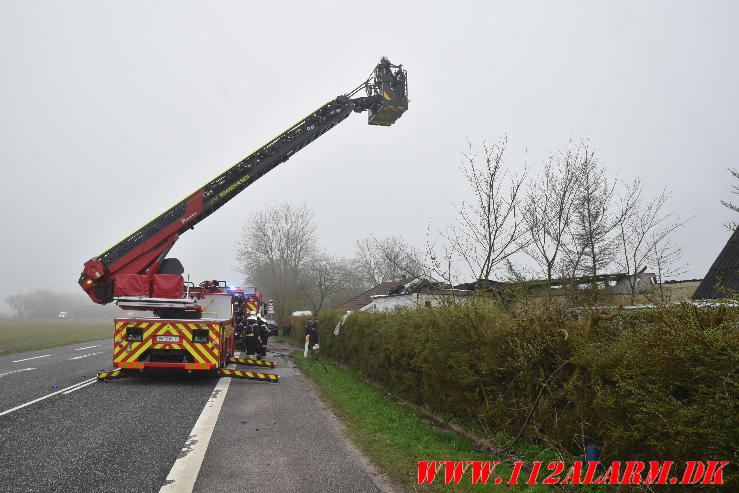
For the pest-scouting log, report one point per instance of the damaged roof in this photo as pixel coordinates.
(365, 298)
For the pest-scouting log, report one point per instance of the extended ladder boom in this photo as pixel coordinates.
(144, 251)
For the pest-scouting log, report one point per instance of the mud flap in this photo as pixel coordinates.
(249, 375)
(252, 362)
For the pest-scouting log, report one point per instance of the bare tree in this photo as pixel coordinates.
(19, 303)
(489, 228)
(667, 260)
(440, 256)
(597, 215)
(325, 277)
(387, 259)
(643, 232)
(549, 207)
(274, 249)
(732, 225)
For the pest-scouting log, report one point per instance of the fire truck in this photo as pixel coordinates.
(188, 326)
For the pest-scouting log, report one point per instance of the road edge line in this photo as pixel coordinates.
(185, 470)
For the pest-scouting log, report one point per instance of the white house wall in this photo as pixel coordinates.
(413, 300)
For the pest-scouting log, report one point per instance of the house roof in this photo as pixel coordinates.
(724, 271)
(365, 298)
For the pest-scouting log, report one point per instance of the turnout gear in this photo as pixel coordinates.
(251, 337)
(311, 333)
(264, 334)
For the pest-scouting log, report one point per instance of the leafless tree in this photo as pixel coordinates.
(490, 226)
(549, 208)
(19, 303)
(667, 260)
(599, 211)
(275, 247)
(326, 277)
(732, 225)
(440, 258)
(644, 231)
(387, 259)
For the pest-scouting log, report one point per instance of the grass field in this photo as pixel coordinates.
(394, 437)
(17, 336)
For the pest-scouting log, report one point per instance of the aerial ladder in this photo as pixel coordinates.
(137, 274)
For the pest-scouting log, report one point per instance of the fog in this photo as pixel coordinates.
(112, 112)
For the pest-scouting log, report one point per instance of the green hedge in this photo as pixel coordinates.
(658, 384)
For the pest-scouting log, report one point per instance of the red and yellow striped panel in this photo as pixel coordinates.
(125, 353)
(252, 362)
(105, 375)
(249, 375)
(131, 365)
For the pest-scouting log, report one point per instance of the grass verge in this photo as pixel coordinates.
(394, 437)
(17, 336)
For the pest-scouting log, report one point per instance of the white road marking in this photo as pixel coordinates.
(46, 397)
(78, 387)
(84, 356)
(35, 357)
(15, 371)
(184, 472)
(86, 347)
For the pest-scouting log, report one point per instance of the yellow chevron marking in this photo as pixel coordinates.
(192, 351)
(209, 356)
(135, 355)
(148, 333)
(175, 346)
(108, 374)
(144, 325)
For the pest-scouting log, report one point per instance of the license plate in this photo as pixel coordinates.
(168, 339)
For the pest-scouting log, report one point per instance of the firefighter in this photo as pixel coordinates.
(311, 333)
(251, 336)
(239, 322)
(263, 334)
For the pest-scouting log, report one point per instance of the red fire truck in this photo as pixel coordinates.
(189, 326)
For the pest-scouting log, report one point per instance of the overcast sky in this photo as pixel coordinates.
(110, 112)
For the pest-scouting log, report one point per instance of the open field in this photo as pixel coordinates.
(18, 336)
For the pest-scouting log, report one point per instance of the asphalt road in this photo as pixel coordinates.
(59, 433)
